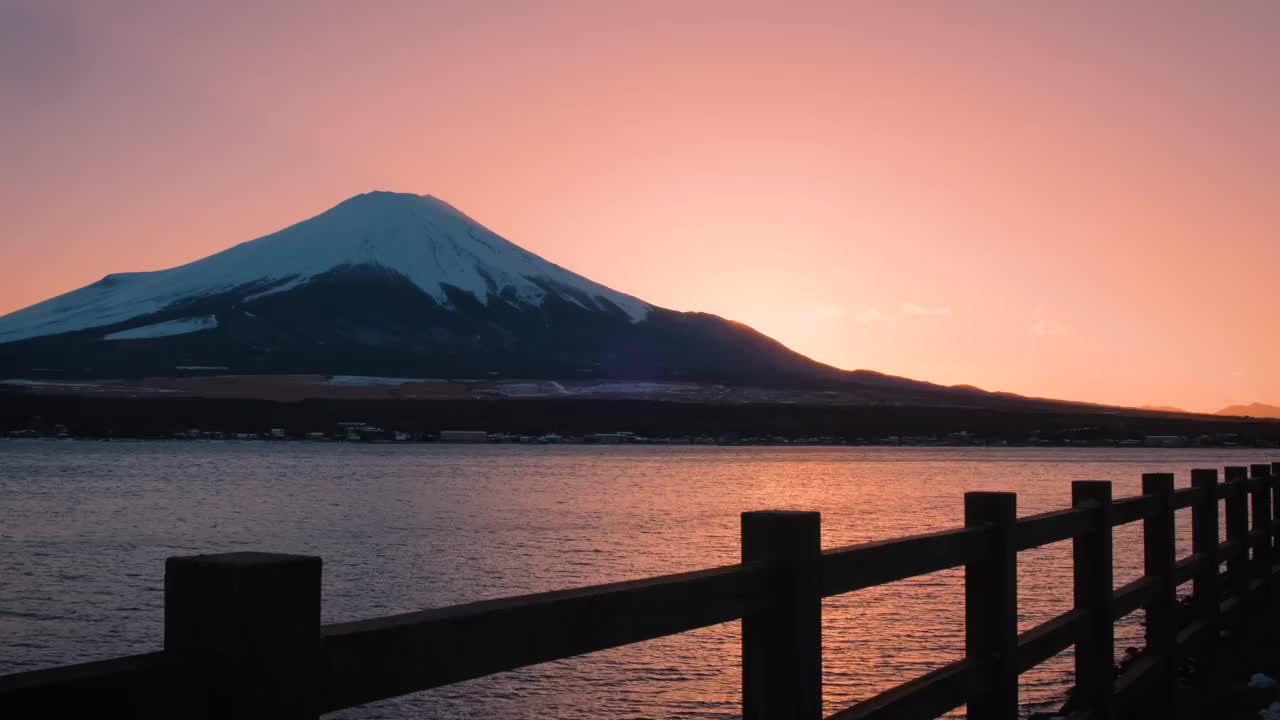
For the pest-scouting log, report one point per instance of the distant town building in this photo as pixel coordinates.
(464, 436)
(354, 430)
(612, 438)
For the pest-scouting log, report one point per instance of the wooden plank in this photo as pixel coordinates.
(1275, 501)
(255, 618)
(138, 686)
(1048, 639)
(1229, 550)
(1260, 533)
(1139, 683)
(924, 698)
(1206, 590)
(1229, 609)
(991, 606)
(1161, 607)
(1237, 522)
(1188, 497)
(1133, 509)
(1273, 513)
(1193, 635)
(1131, 596)
(856, 567)
(782, 647)
(1189, 567)
(1092, 590)
(385, 657)
(1035, 531)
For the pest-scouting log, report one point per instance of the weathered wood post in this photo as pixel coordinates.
(782, 648)
(1275, 504)
(1158, 561)
(1260, 475)
(1204, 593)
(251, 622)
(1237, 520)
(1091, 554)
(991, 606)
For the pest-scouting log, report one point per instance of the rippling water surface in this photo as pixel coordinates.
(85, 528)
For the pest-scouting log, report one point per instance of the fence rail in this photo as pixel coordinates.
(243, 637)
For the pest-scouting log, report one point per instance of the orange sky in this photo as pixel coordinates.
(1077, 200)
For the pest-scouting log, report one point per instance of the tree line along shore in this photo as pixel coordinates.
(609, 421)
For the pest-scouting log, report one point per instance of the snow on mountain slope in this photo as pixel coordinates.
(425, 239)
(166, 329)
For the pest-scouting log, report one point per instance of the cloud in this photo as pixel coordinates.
(826, 311)
(872, 316)
(914, 309)
(1044, 328)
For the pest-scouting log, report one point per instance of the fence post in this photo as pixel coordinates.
(1237, 520)
(251, 623)
(1262, 555)
(1205, 594)
(1093, 591)
(1158, 561)
(1275, 511)
(1275, 504)
(991, 606)
(782, 647)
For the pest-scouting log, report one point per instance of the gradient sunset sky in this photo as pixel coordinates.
(1073, 199)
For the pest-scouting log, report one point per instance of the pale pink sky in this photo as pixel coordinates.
(1078, 200)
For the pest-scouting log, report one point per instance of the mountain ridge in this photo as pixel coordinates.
(1254, 409)
(388, 284)
(402, 285)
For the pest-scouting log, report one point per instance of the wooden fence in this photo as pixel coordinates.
(243, 638)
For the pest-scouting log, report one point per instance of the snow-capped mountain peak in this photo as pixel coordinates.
(424, 239)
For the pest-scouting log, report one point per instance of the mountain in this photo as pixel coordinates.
(1162, 408)
(392, 284)
(1257, 410)
(422, 240)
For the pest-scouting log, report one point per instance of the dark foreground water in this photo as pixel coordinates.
(85, 528)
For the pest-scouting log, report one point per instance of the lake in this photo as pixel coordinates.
(85, 528)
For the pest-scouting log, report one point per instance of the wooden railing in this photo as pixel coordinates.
(243, 637)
